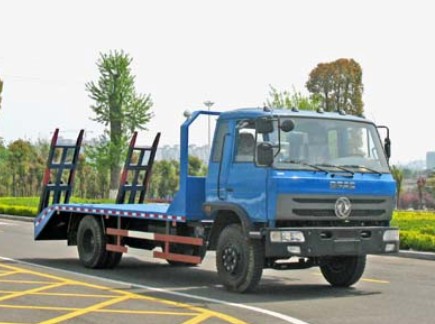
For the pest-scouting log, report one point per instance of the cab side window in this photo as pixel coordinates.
(218, 143)
(245, 143)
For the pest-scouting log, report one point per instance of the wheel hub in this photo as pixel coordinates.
(230, 259)
(88, 241)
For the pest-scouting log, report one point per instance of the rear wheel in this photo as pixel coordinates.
(113, 258)
(239, 260)
(343, 271)
(91, 243)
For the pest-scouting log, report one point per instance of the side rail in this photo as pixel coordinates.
(166, 240)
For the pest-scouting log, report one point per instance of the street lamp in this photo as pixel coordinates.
(208, 104)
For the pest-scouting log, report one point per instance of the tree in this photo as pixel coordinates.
(293, 99)
(20, 157)
(398, 176)
(4, 174)
(339, 86)
(196, 167)
(421, 183)
(118, 107)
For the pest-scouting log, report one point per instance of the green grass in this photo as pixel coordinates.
(28, 206)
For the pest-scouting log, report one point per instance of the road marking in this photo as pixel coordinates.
(195, 312)
(198, 319)
(7, 224)
(86, 310)
(113, 311)
(8, 273)
(62, 294)
(25, 292)
(375, 281)
(26, 282)
(283, 317)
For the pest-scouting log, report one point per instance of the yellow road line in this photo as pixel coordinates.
(221, 316)
(8, 273)
(375, 281)
(378, 281)
(114, 311)
(27, 282)
(62, 294)
(86, 310)
(125, 296)
(25, 292)
(198, 319)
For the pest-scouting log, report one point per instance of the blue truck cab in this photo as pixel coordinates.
(285, 189)
(312, 186)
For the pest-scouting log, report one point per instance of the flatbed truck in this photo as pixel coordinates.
(285, 189)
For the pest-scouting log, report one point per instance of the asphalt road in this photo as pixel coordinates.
(393, 290)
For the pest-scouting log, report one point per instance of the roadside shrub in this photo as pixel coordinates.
(417, 230)
(18, 210)
(413, 240)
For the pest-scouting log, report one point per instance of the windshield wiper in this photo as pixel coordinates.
(313, 166)
(337, 167)
(363, 167)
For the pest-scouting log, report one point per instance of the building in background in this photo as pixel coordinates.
(430, 160)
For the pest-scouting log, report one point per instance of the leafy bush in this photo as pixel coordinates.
(417, 230)
(18, 210)
(28, 206)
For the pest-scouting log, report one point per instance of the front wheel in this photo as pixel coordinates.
(239, 260)
(343, 271)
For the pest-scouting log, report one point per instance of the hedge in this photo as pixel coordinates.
(417, 229)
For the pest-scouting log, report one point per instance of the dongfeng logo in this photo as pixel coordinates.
(343, 208)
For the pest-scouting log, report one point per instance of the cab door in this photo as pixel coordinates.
(246, 183)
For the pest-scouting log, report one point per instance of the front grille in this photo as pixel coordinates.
(331, 212)
(296, 207)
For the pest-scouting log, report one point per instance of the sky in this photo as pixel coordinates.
(229, 52)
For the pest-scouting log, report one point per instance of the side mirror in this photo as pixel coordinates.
(264, 125)
(387, 142)
(265, 154)
(387, 147)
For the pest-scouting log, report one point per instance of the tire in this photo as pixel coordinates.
(112, 260)
(343, 271)
(91, 243)
(239, 260)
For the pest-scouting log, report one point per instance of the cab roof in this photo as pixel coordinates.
(251, 113)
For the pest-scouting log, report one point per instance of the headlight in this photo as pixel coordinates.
(391, 235)
(287, 236)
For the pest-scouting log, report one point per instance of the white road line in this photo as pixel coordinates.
(7, 224)
(283, 317)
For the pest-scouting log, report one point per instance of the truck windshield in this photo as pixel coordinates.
(328, 145)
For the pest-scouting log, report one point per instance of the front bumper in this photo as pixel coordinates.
(333, 241)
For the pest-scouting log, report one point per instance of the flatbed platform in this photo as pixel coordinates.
(151, 211)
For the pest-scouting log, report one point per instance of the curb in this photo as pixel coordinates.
(18, 218)
(416, 255)
(402, 253)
